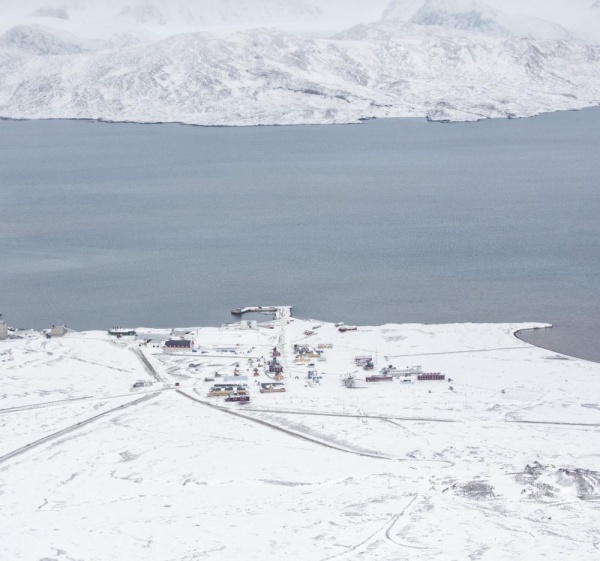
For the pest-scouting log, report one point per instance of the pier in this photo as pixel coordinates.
(261, 310)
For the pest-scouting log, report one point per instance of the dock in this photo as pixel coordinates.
(261, 310)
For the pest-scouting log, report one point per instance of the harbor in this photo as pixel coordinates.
(261, 310)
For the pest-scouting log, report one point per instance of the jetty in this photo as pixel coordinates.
(261, 310)
(122, 332)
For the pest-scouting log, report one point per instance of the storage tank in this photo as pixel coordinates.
(3, 330)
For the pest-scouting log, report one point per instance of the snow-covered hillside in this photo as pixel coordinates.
(41, 41)
(499, 461)
(148, 62)
(268, 77)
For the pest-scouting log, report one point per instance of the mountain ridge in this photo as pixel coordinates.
(441, 59)
(266, 77)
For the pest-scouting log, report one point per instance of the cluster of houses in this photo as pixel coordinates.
(176, 340)
(364, 361)
(305, 353)
(390, 373)
(234, 390)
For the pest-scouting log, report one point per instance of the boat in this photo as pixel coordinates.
(260, 310)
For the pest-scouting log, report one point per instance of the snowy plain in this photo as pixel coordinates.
(296, 62)
(500, 463)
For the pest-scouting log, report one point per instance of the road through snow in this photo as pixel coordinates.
(40, 442)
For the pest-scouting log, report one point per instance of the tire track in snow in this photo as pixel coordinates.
(308, 438)
(67, 430)
(522, 347)
(75, 400)
(58, 402)
(556, 423)
(287, 431)
(147, 366)
(387, 527)
(352, 416)
(358, 545)
(391, 526)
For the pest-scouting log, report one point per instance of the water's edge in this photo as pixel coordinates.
(357, 121)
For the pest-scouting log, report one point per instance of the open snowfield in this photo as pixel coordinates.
(502, 463)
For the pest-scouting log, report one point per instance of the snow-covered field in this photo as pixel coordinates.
(272, 62)
(500, 463)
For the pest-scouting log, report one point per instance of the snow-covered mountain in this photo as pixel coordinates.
(38, 40)
(157, 19)
(444, 59)
(217, 11)
(474, 17)
(50, 12)
(168, 11)
(268, 77)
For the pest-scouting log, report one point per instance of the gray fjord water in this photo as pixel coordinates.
(394, 220)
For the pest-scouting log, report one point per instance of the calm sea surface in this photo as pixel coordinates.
(394, 220)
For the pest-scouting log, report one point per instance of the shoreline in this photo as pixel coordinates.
(549, 326)
(359, 120)
(515, 333)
